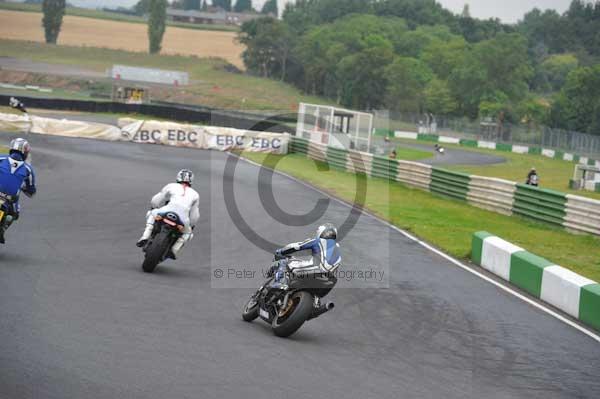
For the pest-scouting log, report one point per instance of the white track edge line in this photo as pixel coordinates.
(440, 253)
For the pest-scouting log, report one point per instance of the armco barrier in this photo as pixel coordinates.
(414, 174)
(359, 162)
(568, 291)
(497, 195)
(452, 184)
(384, 168)
(299, 145)
(337, 158)
(317, 151)
(492, 194)
(582, 214)
(540, 204)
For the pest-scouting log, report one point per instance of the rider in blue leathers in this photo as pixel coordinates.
(325, 251)
(16, 176)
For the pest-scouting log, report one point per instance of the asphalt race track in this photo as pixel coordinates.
(79, 319)
(453, 156)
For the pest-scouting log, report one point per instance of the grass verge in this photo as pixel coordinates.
(411, 154)
(446, 223)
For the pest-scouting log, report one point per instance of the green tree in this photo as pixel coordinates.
(466, 12)
(54, 10)
(577, 106)
(270, 7)
(242, 5)
(268, 44)
(157, 24)
(533, 111)
(555, 69)
(142, 7)
(493, 71)
(360, 76)
(438, 98)
(407, 79)
(443, 57)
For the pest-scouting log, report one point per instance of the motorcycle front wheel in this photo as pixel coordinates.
(251, 309)
(289, 320)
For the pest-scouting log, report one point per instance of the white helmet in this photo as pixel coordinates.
(21, 146)
(185, 176)
(327, 231)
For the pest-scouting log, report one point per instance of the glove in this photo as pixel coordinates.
(278, 255)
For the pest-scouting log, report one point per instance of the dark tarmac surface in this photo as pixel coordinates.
(453, 156)
(79, 319)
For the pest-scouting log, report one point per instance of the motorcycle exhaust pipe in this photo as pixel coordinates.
(322, 309)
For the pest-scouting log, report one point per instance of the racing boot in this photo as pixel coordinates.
(176, 248)
(145, 236)
(8, 220)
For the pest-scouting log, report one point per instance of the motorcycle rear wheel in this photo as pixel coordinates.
(155, 251)
(286, 325)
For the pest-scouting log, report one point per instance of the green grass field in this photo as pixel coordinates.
(113, 16)
(446, 223)
(411, 154)
(211, 84)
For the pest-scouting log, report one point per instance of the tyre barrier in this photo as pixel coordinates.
(573, 294)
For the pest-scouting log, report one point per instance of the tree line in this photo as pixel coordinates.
(416, 56)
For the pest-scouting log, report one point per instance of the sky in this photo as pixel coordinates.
(507, 10)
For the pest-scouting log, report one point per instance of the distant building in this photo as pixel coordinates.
(218, 17)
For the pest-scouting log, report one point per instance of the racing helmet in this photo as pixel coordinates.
(327, 231)
(185, 176)
(20, 146)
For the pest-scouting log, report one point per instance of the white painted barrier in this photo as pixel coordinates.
(492, 194)
(568, 157)
(414, 174)
(548, 153)
(405, 135)
(520, 149)
(449, 140)
(486, 144)
(582, 214)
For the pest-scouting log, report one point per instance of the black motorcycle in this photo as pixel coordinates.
(287, 307)
(167, 229)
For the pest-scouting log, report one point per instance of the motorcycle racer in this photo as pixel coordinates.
(16, 176)
(325, 253)
(179, 198)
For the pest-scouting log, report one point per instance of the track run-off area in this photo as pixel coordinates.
(79, 319)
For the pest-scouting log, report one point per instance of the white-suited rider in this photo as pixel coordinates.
(179, 198)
